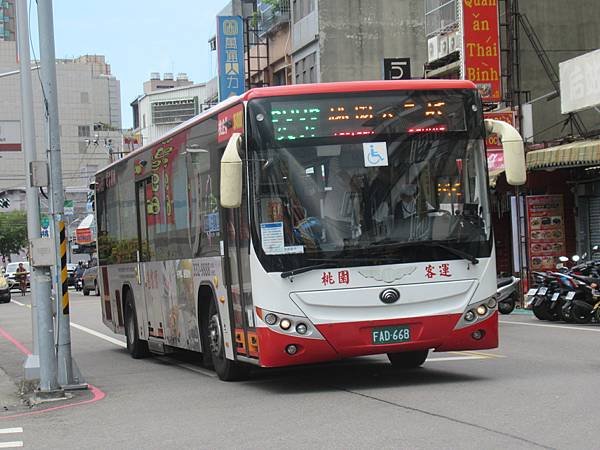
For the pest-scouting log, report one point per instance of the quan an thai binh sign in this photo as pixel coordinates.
(481, 47)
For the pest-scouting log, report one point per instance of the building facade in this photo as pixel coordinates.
(8, 25)
(90, 123)
(159, 111)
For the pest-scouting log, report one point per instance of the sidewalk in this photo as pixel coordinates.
(9, 398)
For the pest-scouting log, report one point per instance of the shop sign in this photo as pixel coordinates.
(481, 47)
(84, 236)
(495, 153)
(545, 220)
(230, 43)
(579, 85)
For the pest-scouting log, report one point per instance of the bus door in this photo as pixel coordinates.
(238, 262)
(148, 303)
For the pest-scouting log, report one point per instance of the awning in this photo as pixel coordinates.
(575, 154)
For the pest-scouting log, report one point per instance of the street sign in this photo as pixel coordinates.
(69, 208)
(45, 221)
(396, 68)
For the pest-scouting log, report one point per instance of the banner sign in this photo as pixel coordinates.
(84, 236)
(545, 222)
(230, 46)
(579, 86)
(481, 47)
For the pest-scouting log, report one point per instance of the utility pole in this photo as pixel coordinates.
(42, 364)
(66, 377)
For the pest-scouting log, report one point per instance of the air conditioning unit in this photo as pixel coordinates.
(432, 49)
(454, 42)
(442, 46)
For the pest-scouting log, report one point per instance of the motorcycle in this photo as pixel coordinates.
(507, 294)
(79, 284)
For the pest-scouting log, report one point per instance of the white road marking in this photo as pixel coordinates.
(112, 340)
(565, 327)
(11, 430)
(457, 358)
(13, 444)
(199, 370)
(18, 303)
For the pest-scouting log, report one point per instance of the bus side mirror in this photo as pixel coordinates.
(514, 153)
(231, 173)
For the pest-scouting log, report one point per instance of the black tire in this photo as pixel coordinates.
(408, 360)
(566, 313)
(507, 306)
(542, 311)
(581, 314)
(86, 292)
(597, 315)
(226, 369)
(136, 347)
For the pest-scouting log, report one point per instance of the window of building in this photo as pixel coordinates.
(83, 131)
(303, 8)
(174, 111)
(306, 70)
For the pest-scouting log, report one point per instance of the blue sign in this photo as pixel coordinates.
(230, 46)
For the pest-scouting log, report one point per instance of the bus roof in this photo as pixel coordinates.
(305, 89)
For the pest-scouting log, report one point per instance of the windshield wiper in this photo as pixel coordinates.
(454, 251)
(387, 242)
(298, 271)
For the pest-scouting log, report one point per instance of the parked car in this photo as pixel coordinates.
(10, 273)
(4, 290)
(90, 281)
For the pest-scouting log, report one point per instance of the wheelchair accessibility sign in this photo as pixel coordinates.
(375, 154)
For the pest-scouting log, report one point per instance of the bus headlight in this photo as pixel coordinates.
(492, 303)
(285, 324)
(301, 328)
(482, 310)
(270, 319)
(470, 316)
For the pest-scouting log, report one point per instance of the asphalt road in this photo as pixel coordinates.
(540, 389)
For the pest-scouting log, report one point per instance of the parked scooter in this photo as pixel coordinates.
(507, 294)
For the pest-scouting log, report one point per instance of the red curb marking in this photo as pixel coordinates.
(97, 393)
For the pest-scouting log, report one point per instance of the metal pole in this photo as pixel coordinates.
(42, 364)
(61, 293)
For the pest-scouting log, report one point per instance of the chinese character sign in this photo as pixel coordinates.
(230, 44)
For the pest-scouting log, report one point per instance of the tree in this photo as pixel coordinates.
(13, 232)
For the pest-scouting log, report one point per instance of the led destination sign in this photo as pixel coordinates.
(364, 116)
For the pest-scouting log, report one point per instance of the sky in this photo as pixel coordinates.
(137, 37)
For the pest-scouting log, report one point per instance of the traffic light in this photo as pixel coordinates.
(4, 202)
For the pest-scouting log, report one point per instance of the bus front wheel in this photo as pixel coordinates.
(135, 346)
(408, 360)
(226, 369)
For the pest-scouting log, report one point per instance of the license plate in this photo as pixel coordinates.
(390, 335)
(570, 295)
(543, 290)
(531, 292)
(555, 296)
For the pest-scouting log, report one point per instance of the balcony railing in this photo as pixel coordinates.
(274, 16)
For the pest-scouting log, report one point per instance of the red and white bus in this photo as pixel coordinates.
(308, 223)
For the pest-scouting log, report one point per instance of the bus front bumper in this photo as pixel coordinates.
(344, 340)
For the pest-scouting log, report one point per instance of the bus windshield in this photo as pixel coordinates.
(368, 178)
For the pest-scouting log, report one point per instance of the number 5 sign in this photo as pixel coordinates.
(396, 68)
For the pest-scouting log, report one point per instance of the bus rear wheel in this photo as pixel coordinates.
(226, 369)
(135, 346)
(408, 360)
